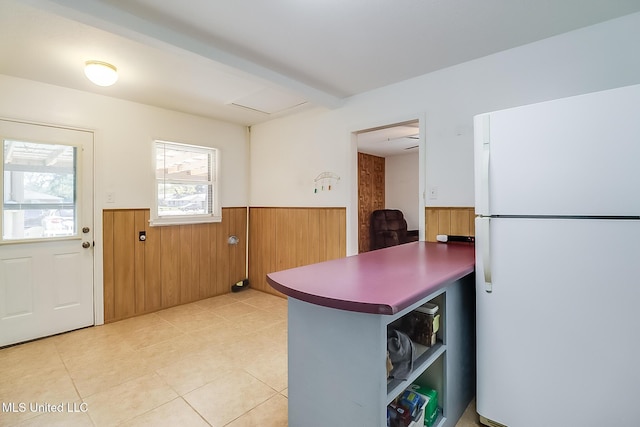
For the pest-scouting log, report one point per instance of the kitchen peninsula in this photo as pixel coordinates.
(339, 311)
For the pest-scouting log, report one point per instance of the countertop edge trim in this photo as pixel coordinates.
(362, 307)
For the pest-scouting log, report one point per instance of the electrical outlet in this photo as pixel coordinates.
(111, 197)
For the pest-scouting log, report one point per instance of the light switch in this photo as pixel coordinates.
(433, 192)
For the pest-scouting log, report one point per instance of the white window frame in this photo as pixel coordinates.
(215, 215)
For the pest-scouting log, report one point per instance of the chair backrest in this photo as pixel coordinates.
(388, 228)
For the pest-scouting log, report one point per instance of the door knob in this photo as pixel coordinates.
(86, 245)
(86, 230)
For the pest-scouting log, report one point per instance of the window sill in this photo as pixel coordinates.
(182, 220)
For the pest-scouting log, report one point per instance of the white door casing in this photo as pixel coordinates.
(46, 246)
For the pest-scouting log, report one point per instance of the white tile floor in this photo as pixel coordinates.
(216, 362)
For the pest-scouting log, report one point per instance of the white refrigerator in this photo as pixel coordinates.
(558, 262)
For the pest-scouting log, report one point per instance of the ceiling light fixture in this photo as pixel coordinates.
(101, 73)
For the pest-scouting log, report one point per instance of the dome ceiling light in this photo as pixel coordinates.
(101, 73)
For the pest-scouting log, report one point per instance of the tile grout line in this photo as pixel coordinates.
(195, 410)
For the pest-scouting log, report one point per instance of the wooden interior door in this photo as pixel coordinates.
(371, 194)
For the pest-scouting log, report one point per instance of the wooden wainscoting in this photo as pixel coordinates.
(281, 238)
(174, 265)
(455, 221)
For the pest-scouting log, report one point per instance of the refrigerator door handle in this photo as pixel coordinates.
(486, 253)
(485, 136)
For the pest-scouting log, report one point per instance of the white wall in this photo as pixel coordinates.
(287, 153)
(124, 133)
(401, 186)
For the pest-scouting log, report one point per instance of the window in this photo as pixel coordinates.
(185, 184)
(39, 190)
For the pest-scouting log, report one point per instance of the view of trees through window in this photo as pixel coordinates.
(57, 185)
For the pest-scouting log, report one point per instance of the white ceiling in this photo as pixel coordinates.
(214, 58)
(392, 140)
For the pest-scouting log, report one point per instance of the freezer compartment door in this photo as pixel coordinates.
(557, 336)
(573, 156)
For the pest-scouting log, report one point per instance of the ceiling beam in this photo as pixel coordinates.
(117, 21)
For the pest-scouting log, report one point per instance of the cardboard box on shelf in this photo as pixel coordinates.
(407, 410)
(431, 404)
(398, 416)
(419, 421)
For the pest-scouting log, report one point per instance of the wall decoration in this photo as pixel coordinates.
(325, 181)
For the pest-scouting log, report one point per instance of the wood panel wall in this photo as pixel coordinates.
(174, 265)
(371, 194)
(281, 238)
(443, 220)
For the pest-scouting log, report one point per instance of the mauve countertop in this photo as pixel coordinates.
(384, 281)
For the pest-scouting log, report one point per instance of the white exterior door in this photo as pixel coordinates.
(46, 246)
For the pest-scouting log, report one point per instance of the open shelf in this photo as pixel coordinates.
(426, 356)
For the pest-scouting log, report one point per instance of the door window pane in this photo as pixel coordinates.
(39, 190)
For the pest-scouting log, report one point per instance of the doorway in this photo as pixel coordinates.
(388, 175)
(46, 244)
